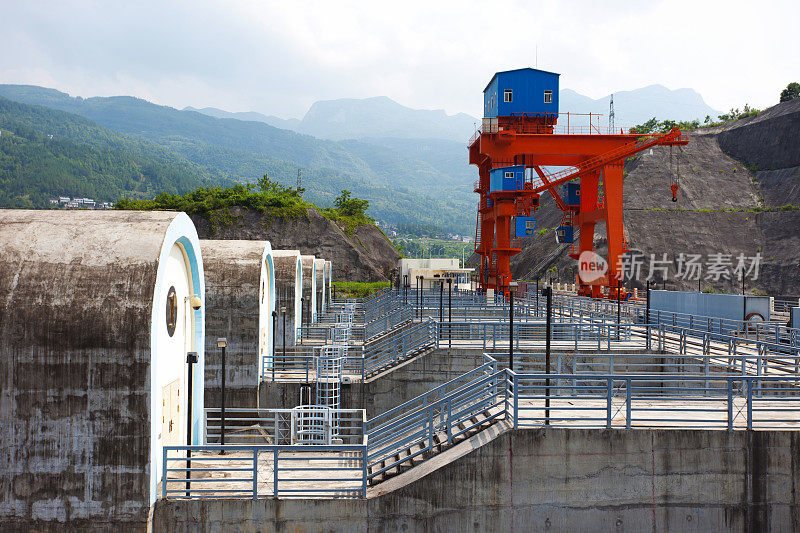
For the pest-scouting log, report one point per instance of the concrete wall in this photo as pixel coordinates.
(385, 392)
(83, 354)
(309, 288)
(559, 479)
(234, 302)
(427, 372)
(321, 272)
(288, 291)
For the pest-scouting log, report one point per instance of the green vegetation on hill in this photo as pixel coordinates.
(270, 197)
(791, 92)
(349, 211)
(400, 186)
(353, 289)
(45, 153)
(655, 126)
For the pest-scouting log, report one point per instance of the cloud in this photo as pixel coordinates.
(280, 57)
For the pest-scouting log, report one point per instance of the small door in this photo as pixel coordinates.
(170, 413)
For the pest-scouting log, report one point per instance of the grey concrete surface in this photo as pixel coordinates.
(76, 291)
(559, 479)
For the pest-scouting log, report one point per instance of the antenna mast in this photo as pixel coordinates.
(611, 114)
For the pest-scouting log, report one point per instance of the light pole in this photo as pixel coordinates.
(419, 295)
(222, 343)
(512, 288)
(283, 312)
(647, 312)
(449, 312)
(441, 300)
(548, 293)
(274, 334)
(191, 359)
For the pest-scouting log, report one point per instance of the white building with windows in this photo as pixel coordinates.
(433, 270)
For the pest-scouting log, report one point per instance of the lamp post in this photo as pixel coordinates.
(441, 301)
(419, 296)
(449, 312)
(512, 288)
(537, 297)
(647, 312)
(548, 293)
(405, 289)
(191, 359)
(302, 312)
(274, 334)
(222, 343)
(283, 312)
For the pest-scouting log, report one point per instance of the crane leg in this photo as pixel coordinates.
(612, 184)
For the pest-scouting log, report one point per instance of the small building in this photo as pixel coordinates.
(526, 91)
(435, 269)
(507, 178)
(99, 313)
(289, 290)
(240, 299)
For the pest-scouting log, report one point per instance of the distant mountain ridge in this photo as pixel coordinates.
(401, 189)
(382, 117)
(252, 116)
(411, 164)
(640, 105)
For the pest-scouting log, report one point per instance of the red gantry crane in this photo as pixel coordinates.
(518, 137)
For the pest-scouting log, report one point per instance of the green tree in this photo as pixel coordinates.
(791, 92)
(351, 207)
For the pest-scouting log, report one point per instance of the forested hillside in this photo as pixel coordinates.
(400, 186)
(44, 153)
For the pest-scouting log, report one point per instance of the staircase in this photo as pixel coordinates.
(426, 426)
(399, 346)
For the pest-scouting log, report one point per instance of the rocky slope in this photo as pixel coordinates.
(366, 255)
(740, 192)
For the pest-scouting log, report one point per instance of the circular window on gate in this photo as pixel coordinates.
(172, 311)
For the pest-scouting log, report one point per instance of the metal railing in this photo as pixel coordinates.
(379, 326)
(424, 426)
(399, 439)
(399, 346)
(282, 426)
(668, 401)
(245, 471)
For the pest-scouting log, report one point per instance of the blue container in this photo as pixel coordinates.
(507, 178)
(564, 234)
(524, 90)
(524, 226)
(572, 194)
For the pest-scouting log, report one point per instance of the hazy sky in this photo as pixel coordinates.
(280, 57)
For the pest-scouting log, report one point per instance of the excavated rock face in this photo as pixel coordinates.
(367, 255)
(732, 181)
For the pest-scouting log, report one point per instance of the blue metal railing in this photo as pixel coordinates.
(399, 346)
(246, 471)
(425, 425)
(388, 322)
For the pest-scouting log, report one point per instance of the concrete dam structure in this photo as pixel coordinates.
(157, 381)
(99, 311)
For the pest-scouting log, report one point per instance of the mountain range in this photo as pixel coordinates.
(380, 116)
(410, 164)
